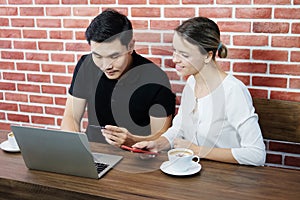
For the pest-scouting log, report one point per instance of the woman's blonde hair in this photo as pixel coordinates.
(205, 33)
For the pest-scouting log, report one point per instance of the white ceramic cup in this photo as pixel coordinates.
(181, 159)
(12, 140)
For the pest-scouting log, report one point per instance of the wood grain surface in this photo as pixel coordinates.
(279, 120)
(136, 178)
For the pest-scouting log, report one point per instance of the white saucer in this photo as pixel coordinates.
(167, 168)
(5, 146)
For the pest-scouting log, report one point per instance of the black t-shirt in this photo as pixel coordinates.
(128, 102)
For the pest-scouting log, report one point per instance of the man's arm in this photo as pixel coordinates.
(117, 135)
(159, 126)
(74, 111)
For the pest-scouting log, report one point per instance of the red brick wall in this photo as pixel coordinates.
(41, 40)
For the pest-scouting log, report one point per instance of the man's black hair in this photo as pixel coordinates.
(108, 26)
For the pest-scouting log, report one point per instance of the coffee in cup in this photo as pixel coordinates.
(181, 159)
(12, 140)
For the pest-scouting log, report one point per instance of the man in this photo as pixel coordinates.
(128, 98)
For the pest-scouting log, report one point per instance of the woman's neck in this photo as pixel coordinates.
(208, 79)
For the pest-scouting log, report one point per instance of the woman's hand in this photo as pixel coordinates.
(117, 136)
(149, 145)
(181, 143)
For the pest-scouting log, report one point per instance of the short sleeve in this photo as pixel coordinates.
(78, 85)
(164, 103)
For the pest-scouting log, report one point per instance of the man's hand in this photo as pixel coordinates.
(117, 136)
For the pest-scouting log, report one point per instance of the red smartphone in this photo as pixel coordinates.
(136, 150)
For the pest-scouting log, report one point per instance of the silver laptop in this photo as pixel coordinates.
(61, 152)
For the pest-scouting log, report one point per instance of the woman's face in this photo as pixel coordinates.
(186, 56)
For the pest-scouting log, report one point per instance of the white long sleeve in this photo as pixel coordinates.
(224, 119)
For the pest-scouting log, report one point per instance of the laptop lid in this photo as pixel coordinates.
(61, 152)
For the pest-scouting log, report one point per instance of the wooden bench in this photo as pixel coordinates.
(278, 119)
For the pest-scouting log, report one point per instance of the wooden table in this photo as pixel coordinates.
(134, 178)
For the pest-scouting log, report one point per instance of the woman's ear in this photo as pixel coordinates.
(208, 57)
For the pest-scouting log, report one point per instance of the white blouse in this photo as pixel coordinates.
(223, 119)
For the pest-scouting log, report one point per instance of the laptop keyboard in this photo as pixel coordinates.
(100, 166)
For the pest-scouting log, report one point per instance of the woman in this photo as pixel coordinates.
(216, 117)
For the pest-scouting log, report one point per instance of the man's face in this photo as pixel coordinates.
(112, 58)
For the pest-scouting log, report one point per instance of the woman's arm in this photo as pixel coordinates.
(211, 153)
(155, 146)
(242, 117)
(252, 150)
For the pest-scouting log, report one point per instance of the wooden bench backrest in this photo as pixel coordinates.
(278, 119)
